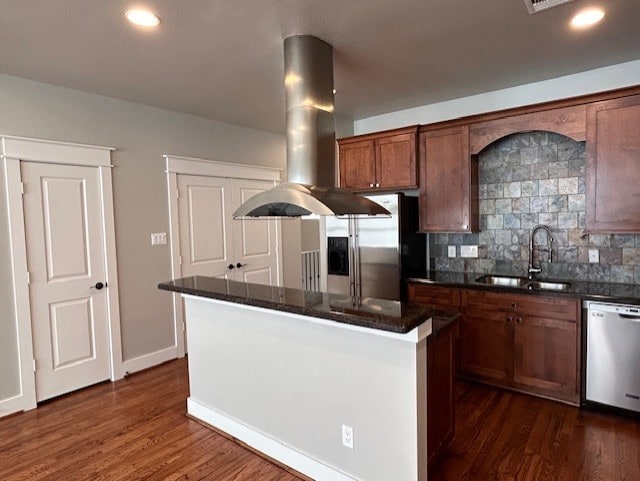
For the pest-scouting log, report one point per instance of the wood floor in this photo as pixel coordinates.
(136, 429)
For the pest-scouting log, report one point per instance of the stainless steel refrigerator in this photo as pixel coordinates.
(370, 257)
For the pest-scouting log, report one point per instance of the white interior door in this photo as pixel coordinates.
(66, 261)
(255, 240)
(205, 212)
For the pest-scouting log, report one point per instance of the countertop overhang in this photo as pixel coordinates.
(393, 316)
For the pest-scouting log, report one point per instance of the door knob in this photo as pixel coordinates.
(239, 265)
(230, 266)
(99, 285)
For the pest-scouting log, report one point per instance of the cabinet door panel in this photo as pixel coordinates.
(396, 162)
(546, 355)
(448, 181)
(357, 165)
(613, 166)
(486, 344)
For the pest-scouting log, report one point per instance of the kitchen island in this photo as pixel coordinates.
(288, 372)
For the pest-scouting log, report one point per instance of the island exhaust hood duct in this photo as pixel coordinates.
(311, 159)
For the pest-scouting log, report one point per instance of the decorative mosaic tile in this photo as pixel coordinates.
(567, 150)
(568, 185)
(549, 219)
(599, 272)
(631, 256)
(529, 221)
(529, 188)
(623, 274)
(576, 202)
(503, 206)
(540, 171)
(495, 222)
(548, 187)
(611, 255)
(538, 204)
(558, 170)
(559, 203)
(577, 167)
(567, 220)
(511, 221)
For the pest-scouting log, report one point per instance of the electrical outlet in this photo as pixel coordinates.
(468, 251)
(452, 251)
(347, 436)
(594, 256)
(158, 238)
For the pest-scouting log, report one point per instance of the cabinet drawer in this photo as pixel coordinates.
(540, 306)
(435, 295)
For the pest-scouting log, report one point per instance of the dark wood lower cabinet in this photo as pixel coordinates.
(440, 412)
(529, 343)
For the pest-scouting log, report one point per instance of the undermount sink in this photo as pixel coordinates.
(506, 281)
(548, 285)
(511, 281)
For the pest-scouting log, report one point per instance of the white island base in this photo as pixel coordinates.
(285, 384)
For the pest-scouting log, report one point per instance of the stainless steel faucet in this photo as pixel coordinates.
(532, 248)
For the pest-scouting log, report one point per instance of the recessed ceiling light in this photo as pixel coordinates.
(587, 17)
(142, 18)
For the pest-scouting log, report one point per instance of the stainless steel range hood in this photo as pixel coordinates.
(311, 161)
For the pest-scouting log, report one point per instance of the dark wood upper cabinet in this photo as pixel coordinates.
(613, 166)
(379, 162)
(448, 181)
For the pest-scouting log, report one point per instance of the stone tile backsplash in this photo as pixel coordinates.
(535, 178)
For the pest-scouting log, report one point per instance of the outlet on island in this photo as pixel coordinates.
(468, 251)
(347, 436)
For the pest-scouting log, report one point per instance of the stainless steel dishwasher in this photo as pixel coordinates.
(613, 354)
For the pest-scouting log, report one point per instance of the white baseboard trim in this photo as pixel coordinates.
(266, 445)
(149, 360)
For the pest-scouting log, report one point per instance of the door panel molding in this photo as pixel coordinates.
(175, 166)
(14, 151)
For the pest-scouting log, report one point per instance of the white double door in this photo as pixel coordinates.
(67, 286)
(212, 243)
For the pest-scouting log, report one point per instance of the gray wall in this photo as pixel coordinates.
(9, 373)
(537, 178)
(141, 135)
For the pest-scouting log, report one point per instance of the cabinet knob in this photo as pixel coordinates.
(370, 185)
(377, 185)
(519, 320)
(509, 319)
(514, 305)
(465, 226)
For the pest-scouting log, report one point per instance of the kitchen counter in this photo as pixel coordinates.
(601, 291)
(392, 316)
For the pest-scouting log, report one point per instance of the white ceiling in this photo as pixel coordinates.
(223, 59)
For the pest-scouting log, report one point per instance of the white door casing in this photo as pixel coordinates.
(195, 187)
(65, 257)
(17, 150)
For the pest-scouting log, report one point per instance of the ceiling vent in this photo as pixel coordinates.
(535, 6)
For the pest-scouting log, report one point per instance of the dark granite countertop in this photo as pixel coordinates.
(599, 291)
(393, 316)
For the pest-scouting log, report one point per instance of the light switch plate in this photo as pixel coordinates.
(594, 256)
(468, 251)
(158, 238)
(452, 251)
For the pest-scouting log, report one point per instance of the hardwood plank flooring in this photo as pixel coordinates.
(506, 436)
(133, 429)
(137, 429)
